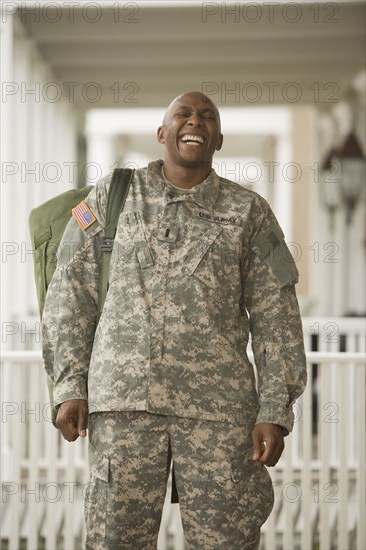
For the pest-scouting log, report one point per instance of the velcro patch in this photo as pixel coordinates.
(83, 215)
(266, 243)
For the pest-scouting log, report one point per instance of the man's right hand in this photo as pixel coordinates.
(72, 419)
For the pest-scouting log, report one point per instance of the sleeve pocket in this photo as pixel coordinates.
(282, 265)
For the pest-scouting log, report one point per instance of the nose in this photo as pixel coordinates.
(195, 120)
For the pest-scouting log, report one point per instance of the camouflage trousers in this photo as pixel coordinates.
(224, 496)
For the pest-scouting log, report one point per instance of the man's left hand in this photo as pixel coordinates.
(268, 443)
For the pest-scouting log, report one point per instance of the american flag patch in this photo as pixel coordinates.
(83, 215)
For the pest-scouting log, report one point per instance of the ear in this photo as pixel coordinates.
(161, 134)
(219, 142)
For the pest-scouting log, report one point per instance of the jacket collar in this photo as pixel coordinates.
(204, 194)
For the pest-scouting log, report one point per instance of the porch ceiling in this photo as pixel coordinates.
(144, 55)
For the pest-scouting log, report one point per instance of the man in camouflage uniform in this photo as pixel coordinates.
(199, 264)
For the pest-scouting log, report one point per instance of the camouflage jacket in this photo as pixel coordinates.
(195, 275)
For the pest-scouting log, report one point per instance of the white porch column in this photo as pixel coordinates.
(20, 188)
(304, 146)
(7, 127)
(7, 140)
(284, 174)
(100, 156)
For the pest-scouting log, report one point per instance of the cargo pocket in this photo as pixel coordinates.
(256, 495)
(96, 498)
(261, 489)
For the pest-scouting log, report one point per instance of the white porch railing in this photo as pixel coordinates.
(319, 482)
(334, 333)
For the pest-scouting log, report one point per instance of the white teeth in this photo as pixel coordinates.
(196, 139)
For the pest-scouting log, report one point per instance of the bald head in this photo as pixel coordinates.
(187, 98)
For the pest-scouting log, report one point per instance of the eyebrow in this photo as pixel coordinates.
(205, 110)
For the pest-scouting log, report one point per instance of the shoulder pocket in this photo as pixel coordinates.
(282, 265)
(273, 249)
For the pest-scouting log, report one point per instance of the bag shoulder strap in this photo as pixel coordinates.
(117, 194)
(118, 190)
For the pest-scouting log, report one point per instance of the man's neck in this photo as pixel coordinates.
(185, 178)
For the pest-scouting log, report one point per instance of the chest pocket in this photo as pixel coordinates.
(131, 249)
(214, 260)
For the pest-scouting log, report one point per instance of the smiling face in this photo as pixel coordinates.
(191, 131)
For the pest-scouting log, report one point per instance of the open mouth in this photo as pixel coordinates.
(192, 139)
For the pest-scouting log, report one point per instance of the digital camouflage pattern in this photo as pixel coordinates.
(224, 496)
(193, 273)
